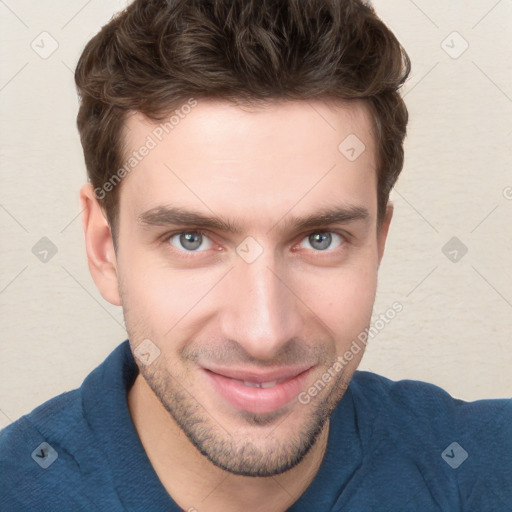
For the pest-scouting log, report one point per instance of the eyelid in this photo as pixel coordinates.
(335, 231)
(169, 234)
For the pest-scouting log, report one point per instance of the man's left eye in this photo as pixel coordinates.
(322, 240)
(190, 241)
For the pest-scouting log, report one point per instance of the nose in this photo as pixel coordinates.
(260, 310)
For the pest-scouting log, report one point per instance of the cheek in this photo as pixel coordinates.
(159, 297)
(342, 298)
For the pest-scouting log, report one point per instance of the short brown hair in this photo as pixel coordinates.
(156, 54)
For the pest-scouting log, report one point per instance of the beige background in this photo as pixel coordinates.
(455, 327)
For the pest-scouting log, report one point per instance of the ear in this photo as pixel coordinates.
(100, 246)
(382, 232)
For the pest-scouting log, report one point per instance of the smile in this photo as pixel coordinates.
(250, 392)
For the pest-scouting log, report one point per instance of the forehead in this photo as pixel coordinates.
(242, 160)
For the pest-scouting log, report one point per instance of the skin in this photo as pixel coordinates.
(296, 303)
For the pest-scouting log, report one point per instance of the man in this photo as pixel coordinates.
(240, 157)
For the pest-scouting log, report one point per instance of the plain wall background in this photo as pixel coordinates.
(455, 329)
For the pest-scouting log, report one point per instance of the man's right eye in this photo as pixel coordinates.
(190, 241)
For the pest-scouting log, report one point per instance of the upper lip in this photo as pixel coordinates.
(277, 374)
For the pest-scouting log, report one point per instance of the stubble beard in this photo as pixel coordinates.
(285, 446)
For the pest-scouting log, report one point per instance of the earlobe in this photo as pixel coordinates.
(383, 231)
(101, 256)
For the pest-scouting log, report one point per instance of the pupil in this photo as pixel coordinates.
(324, 240)
(190, 240)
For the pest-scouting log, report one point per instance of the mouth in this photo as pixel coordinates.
(258, 393)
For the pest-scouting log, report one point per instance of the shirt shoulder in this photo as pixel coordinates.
(457, 446)
(422, 403)
(51, 445)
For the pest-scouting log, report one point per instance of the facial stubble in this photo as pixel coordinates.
(284, 445)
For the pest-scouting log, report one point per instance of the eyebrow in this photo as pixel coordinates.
(168, 215)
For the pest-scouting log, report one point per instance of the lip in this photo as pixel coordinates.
(279, 374)
(229, 384)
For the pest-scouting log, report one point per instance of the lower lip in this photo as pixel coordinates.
(257, 400)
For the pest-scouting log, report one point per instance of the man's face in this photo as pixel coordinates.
(247, 318)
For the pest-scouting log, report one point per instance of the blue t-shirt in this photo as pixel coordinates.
(392, 447)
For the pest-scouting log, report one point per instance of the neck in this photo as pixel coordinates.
(194, 482)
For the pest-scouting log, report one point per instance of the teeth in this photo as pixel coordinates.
(252, 384)
(260, 385)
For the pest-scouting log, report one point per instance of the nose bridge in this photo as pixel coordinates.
(261, 313)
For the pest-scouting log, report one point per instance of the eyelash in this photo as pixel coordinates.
(192, 254)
